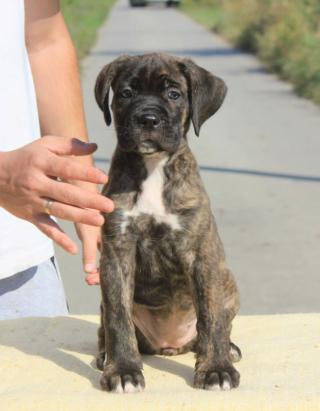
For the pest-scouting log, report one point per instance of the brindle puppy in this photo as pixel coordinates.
(165, 286)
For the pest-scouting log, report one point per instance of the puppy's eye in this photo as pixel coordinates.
(173, 94)
(126, 93)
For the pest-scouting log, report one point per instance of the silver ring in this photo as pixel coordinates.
(47, 206)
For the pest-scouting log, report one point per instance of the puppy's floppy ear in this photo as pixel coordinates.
(104, 82)
(206, 92)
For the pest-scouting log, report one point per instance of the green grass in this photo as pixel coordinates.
(285, 34)
(83, 18)
(203, 12)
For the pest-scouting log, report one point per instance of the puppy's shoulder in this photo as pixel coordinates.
(184, 184)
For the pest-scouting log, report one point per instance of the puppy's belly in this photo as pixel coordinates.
(173, 330)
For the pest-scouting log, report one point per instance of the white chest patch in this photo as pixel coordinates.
(150, 200)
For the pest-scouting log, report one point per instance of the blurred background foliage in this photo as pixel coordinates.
(83, 18)
(285, 34)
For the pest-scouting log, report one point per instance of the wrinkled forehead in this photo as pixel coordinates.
(151, 72)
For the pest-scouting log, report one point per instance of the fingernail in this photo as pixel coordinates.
(99, 220)
(109, 206)
(70, 247)
(93, 145)
(73, 250)
(103, 178)
(85, 143)
(77, 140)
(89, 267)
(90, 282)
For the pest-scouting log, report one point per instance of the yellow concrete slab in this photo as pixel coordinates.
(47, 364)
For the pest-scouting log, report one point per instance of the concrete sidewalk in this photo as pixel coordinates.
(47, 364)
(259, 158)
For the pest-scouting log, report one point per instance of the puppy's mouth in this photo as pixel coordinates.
(148, 147)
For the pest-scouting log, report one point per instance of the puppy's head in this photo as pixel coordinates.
(155, 98)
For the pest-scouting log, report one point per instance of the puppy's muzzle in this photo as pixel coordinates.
(148, 147)
(149, 122)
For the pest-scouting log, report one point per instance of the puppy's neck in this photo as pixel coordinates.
(155, 162)
(150, 198)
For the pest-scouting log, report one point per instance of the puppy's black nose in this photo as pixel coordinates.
(149, 121)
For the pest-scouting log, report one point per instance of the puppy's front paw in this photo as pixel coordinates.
(122, 379)
(217, 377)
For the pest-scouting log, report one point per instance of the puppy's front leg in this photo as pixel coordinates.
(214, 369)
(122, 371)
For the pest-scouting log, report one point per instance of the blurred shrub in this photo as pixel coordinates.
(83, 17)
(284, 33)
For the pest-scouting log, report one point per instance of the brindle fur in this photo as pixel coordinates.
(149, 263)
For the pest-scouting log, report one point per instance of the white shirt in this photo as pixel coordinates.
(22, 245)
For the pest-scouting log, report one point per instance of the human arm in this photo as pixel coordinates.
(54, 67)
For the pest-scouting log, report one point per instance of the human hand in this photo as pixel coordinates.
(91, 242)
(28, 177)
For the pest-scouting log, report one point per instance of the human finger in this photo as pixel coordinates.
(51, 229)
(77, 196)
(75, 214)
(69, 169)
(93, 278)
(68, 146)
(89, 240)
